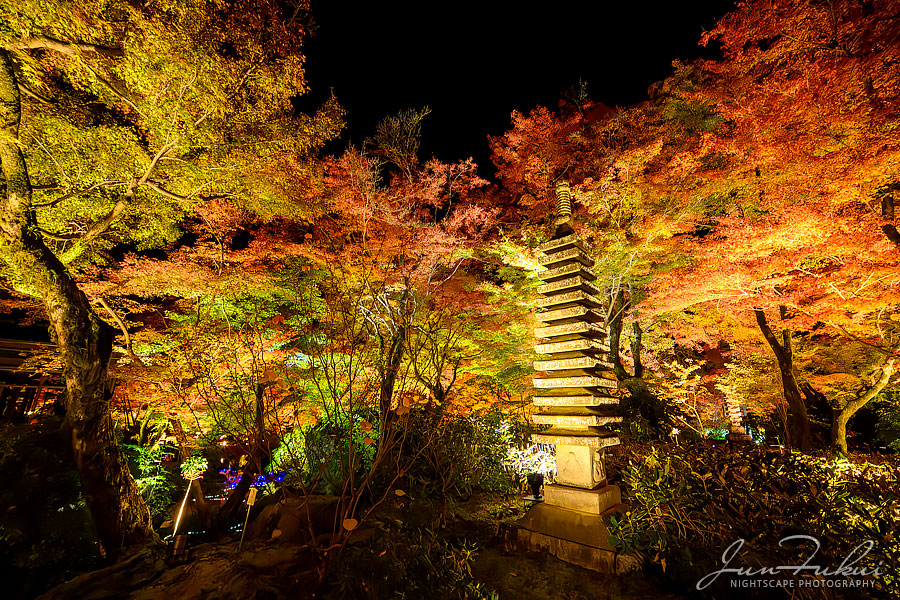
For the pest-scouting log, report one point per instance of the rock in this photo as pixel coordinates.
(294, 518)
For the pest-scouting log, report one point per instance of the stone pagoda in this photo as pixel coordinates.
(576, 394)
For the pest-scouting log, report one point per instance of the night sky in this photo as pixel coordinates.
(473, 63)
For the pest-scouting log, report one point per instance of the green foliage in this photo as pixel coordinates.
(888, 427)
(695, 116)
(194, 466)
(409, 563)
(321, 457)
(153, 480)
(459, 454)
(178, 106)
(145, 454)
(688, 503)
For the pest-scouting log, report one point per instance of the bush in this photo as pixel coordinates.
(458, 454)
(320, 457)
(687, 504)
(408, 563)
(46, 534)
(153, 480)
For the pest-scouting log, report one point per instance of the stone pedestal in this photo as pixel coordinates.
(738, 433)
(576, 394)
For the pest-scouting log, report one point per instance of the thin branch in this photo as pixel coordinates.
(32, 94)
(855, 338)
(38, 42)
(114, 90)
(164, 192)
(80, 192)
(161, 153)
(122, 327)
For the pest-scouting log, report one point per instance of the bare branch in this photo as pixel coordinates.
(38, 42)
(80, 192)
(32, 94)
(121, 325)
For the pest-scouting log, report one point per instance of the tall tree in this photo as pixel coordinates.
(84, 341)
(128, 118)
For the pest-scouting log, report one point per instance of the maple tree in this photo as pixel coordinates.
(118, 122)
(763, 181)
(334, 317)
(799, 164)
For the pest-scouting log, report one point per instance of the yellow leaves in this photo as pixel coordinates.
(268, 376)
(367, 428)
(406, 402)
(307, 419)
(350, 524)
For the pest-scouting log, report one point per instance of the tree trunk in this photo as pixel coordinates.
(839, 428)
(84, 342)
(887, 212)
(394, 355)
(614, 327)
(640, 400)
(256, 463)
(636, 342)
(800, 432)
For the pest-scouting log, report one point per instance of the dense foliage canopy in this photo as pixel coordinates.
(361, 319)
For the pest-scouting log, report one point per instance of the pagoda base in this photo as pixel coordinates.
(739, 438)
(573, 536)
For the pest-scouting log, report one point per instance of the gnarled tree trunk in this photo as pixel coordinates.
(84, 342)
(842, 417)
(800, 432)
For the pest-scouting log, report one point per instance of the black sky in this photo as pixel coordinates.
(473, 63)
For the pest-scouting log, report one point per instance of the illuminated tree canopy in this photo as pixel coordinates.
(226, 275)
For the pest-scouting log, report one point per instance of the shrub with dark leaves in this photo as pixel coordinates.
(687, 504)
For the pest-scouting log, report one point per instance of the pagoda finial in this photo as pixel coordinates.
(563, 209)
(563, 199)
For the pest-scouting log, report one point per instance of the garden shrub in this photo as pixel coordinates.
(408, 562)
(687, 504)
(46, 535)
(321, 456)
(458, 454)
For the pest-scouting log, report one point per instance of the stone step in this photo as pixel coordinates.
(578, 381)
(570, 284)
(571, 255)
(564, 364)
(582, 329)
(594, 502)
(578, 298)
(571, 314)
(567, 271)
(567, 242)
(570, 436)
(576, 400)
(583, 345)
(576, 420)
